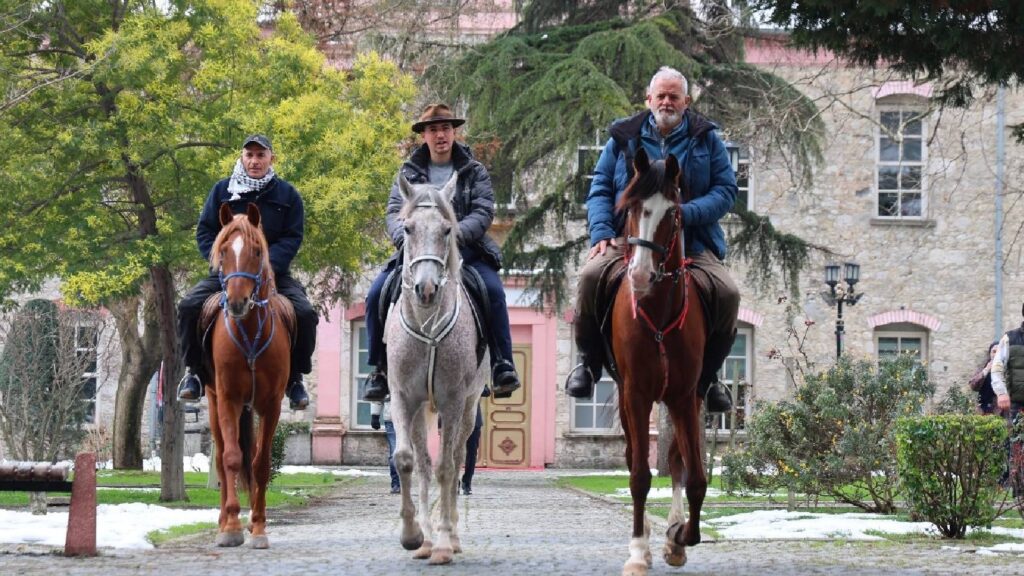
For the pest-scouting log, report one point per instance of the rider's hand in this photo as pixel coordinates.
(1003, 401)
(600, 248)
(375, 421)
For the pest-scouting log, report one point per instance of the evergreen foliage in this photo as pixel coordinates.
(557, 81)
(949, 468)
(837, 436)
(962, 42)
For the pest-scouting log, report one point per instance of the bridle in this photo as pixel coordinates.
(431, 336)
(667, 251)
(250, 347)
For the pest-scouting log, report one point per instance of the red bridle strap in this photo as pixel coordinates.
(677, 324)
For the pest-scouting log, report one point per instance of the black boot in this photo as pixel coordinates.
(580, 383)
(190, 389)
(298, 399)
(376, 386)
(504, 379)
(716, 400)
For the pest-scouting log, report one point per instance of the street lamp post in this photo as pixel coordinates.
(838, 295)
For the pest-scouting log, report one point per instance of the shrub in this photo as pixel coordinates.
(277, 445)
(835, 438)
(957, 401)
(949, 467)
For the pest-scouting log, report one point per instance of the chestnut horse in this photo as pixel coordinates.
(251, 359)
(658, 340)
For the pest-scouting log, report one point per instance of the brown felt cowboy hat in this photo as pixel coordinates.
(436, 114)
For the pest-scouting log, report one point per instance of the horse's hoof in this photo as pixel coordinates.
(412, 542)
(674, 555)
(456, 545)
(440, 556)
(634, 569)
(677, 534)
(423, 552)
(230, 539)
(261, 542)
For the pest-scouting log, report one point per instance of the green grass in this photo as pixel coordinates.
(285, 490)
(158, 537)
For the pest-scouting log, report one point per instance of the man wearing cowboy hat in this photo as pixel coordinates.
(282, 218)
(434, 162)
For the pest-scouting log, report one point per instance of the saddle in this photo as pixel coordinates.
(211, 308)
(475, 288)
(608, 287)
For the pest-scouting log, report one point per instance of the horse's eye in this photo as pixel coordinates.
(407, 229)
(447, 231)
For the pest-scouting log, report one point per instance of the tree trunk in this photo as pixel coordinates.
(172, 445)
(140, 358)
(666, 435)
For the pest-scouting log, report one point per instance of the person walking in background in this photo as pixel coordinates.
(981, 382)
(472, 447)
(381, 412)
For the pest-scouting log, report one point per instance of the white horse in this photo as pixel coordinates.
(432, 366)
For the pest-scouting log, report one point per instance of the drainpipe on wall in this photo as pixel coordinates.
(1000, 159)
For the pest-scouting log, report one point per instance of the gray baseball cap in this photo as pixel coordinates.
(259, 140)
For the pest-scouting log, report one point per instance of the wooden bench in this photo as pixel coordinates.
(44, 477)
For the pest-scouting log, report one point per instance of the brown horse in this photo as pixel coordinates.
(658, 339)
(251, 359)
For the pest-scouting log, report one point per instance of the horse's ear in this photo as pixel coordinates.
(641, 163)
(448, 192)
(404, 187)
(672, 169)
(253, 212)
(226, 215)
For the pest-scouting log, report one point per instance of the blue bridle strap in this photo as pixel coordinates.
(251, 348)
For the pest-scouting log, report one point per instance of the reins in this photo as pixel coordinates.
(252, 347)
(424, 334)
(656, 277)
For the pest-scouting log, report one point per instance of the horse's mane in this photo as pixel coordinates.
(427, 194)
(643, 186)
(253, 236)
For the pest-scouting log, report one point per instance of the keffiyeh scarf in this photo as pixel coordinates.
(241, 184)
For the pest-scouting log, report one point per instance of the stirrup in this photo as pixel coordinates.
(581, 385)
(190, 388)
(376, 387)
(504, 379)
(298, 398)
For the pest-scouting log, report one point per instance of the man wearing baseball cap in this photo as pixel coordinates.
(434, 162)
(282, 218)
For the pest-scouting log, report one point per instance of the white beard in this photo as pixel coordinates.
(667, 119)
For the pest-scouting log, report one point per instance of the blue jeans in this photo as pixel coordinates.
(389, 428)
(501, 337)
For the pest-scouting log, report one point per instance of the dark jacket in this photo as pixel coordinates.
(473, 202)
(708, 183)
(282, 216)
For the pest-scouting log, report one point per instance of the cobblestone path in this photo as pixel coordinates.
(514, 523)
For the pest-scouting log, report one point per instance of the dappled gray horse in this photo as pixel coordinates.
(432, 366)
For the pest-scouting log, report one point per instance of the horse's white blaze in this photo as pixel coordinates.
(653, 210)
(236, 247)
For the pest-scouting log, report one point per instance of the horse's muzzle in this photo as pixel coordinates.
(240, 308)
(426, 292)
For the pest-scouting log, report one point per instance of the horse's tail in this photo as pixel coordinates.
(245, 443)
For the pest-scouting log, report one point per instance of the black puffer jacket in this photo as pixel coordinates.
(282, 216)
(473, 202)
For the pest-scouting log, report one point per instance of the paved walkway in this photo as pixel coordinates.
(514, 523)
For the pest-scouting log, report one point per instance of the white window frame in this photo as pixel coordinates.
(357, 376)
(736, 160)
(920, 111)
(589, 177)
(748, 369)
(94, 375)
(612, 407)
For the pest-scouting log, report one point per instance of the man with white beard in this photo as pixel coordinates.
(708, 189)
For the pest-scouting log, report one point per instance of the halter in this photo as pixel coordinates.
(441, 261)
(424, 334)
(657, 276)
(252, 347)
